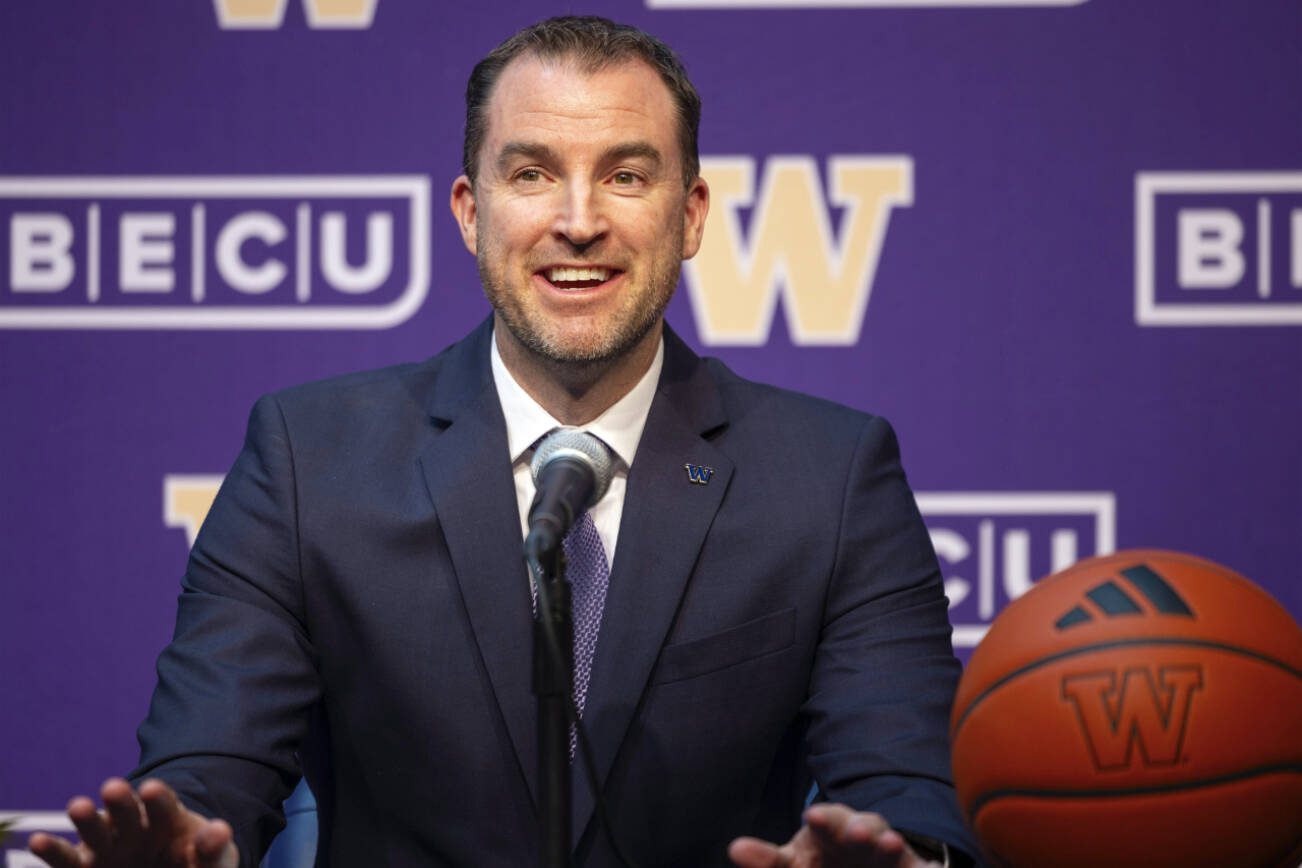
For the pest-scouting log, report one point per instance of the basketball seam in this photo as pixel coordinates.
(1261, 771)
(1118, 643)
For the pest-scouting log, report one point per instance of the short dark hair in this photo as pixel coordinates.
(594, 43)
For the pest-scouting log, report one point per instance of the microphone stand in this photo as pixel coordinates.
(552, 677)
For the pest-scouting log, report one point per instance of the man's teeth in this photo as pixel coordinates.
(569, 275)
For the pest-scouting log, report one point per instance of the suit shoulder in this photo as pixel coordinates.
(342, 384)
(458, 373)
(752, 403)
(395, 386)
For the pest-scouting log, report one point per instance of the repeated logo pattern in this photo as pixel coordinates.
(1218, 248)
(213, 251)
(791, 252)
(270, 14)
(994, 545)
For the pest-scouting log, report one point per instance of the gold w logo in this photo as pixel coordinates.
(793, 253)
(1148, 712)
(187, 499)
(268, 14)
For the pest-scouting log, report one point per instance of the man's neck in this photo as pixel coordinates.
(575, 393)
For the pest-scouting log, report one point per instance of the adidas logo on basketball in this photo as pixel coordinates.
(1112, 601)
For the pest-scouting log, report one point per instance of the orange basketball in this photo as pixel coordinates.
(1138, 709)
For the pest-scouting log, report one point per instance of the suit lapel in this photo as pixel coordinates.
(663, 526)
(468, 473)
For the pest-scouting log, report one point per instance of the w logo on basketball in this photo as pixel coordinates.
(1146, 715)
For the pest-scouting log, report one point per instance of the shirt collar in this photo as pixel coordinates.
(619, 427)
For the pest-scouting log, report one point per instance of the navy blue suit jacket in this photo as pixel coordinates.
(356, 606)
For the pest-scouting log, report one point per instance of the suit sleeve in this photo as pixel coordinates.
(239, 679)
(884, 674)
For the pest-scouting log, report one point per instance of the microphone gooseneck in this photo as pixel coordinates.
(571, 471)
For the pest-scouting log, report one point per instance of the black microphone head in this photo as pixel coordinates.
(575, 445)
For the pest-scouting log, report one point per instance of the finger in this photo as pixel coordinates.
(837, 824)
(842, 835)
(56, 851)
(891, 841)
(827, 824)
(754, 853)
(890, 850)
(125, 813)
(866, 830)
(91, 825)
(165, 816)
(214, 846)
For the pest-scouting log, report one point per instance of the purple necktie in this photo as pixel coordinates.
(589, 575)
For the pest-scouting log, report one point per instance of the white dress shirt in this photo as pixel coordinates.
(620, 428)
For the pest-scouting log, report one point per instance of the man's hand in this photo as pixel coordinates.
(833, 836)
(149, 829)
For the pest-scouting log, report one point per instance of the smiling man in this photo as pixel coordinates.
(580, 211)
(356, 606)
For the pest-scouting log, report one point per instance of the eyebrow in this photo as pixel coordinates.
(536, 151)
(532, 151)
(634, 151)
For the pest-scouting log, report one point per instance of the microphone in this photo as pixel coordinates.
(571, 470)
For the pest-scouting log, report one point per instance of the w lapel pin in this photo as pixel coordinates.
(698, 474)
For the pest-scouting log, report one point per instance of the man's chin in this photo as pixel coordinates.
(580, 348)
(579, 354)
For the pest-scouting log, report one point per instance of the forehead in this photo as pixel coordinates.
(557, 102)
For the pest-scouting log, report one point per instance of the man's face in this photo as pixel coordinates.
(579, 219)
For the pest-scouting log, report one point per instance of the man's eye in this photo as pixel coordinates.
(624, 179)
(529, 176)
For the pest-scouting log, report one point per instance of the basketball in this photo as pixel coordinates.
(1138, 709)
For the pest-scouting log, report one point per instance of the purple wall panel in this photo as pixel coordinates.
(1038, 398)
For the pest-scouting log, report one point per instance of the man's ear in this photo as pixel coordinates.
(695, 210)
(463, 208)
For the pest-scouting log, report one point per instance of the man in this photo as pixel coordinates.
(356, 606)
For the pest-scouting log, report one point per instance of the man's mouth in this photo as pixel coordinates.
(568, 277)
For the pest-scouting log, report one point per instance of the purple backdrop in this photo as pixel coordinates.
(1066, 238)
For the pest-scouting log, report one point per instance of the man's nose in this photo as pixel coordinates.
(580, 216)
